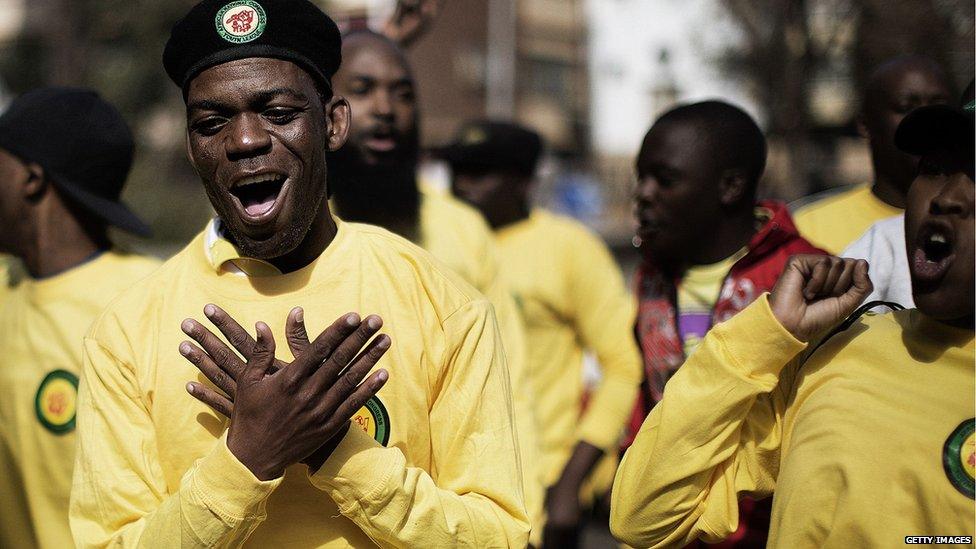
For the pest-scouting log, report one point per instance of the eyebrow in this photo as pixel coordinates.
(260, 98)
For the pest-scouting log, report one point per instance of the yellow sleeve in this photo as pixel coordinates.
(119, 497)
(512, 330)
(715, 434)
(605, 311)
(474, 497)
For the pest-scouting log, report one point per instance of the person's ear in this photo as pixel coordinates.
(733, 186)
(36, 183)
(338, 120)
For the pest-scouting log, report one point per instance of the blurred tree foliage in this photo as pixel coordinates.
(789, 47)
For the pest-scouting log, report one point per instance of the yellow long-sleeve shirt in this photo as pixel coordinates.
(42, 323)
(458, 236)
(11, 271)
(867, 441)
(435, 464)
(837, 220)
(572, 298)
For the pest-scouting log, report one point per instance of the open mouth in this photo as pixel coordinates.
(647, 225)
(258, 195)
(381, 140)
(934, 253)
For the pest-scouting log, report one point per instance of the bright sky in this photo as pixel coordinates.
(626, 39)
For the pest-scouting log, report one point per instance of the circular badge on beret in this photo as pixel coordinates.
(56, 401)
(241, 21)
(374, 420)
(959, 457)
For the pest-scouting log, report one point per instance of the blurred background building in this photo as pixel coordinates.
(589, 75)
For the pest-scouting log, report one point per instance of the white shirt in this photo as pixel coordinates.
(883, 246)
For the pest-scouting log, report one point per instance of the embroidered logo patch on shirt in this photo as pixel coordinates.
(241, 21)
(374, 420)
(56, 401)
(959, 457)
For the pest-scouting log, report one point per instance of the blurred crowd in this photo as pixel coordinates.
(353, 351)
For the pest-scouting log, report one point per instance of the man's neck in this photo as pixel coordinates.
(58, 247)
(500, 220)
(320, 235)
(887, 190)
(728, 237)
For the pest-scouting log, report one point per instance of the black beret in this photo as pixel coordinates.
(493, 145)
(218, 31)
(83, 144)
(939, 127)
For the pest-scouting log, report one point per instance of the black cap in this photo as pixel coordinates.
(489, 145)
(936, 127)
(83, 144)
(218, 31)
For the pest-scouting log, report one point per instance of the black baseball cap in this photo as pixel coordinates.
(493, 145)
(937, 127)
(83, 144)
(218, 31)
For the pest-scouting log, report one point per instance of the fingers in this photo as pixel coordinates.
(818, 276)
(862, 281)
(222, 356)
(361, 366)
(348, 349)
(859, 288)
(263, 355)
(214, 373)
(830, 286)
(323, 346)
(295, 332)
(235, 334)
(211, 398)
(363, 392)
(845, 279)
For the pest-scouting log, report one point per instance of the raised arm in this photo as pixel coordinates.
(716, 433)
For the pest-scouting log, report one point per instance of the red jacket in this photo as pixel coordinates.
(661, 346)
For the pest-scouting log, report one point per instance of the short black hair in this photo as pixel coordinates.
(733, 138)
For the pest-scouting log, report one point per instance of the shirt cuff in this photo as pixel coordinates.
(757, 343)
(358, 469)
(228, 488)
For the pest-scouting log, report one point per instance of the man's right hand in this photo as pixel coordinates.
(280, 417)
(817, 292)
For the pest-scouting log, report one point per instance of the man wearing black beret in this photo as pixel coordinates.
(354, 438)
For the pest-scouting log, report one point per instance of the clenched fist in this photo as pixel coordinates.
(817, 292)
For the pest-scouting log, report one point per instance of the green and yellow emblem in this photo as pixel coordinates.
(56, 401)
(959, 457)
(374, 420)
(241, 21)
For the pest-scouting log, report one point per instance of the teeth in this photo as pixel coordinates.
(253, 179)
(941, 239)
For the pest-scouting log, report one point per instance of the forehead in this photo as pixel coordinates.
(915, 80)
(9, 161)
(372, 58)
(671, 143)
(243, 78)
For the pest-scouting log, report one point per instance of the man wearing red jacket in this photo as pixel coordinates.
(709, 248)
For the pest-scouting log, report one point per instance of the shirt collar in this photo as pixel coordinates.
(225, 257)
